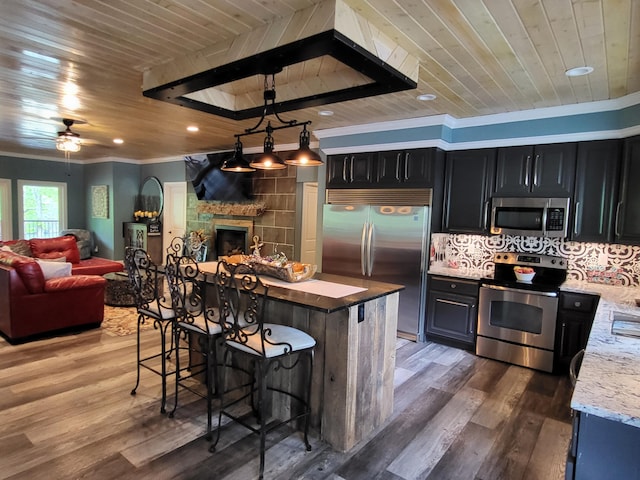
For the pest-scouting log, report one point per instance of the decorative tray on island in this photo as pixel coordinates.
(284, 270)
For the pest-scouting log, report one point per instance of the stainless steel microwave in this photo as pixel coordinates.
(534, 217)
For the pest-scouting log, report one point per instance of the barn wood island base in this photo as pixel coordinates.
(352, 384)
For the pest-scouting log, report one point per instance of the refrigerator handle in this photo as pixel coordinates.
(363, 249)
(370, 251)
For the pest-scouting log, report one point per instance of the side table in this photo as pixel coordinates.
(119, 292)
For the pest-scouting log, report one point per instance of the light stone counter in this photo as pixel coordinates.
(467, 273)
(609, 379)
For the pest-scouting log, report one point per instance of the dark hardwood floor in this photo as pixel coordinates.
(67, 414)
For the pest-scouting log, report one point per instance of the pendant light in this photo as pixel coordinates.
(237, 162)
(268, 160)
(304, 156)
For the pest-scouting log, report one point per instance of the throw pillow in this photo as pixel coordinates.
(21, 247)
(54, 269)
(53, 257)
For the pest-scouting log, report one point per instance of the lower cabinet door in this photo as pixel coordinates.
(452, 316)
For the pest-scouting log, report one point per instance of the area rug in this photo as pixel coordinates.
(121, 321)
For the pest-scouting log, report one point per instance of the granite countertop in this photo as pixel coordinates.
(609, 379)
(467, 273)
(322, 303)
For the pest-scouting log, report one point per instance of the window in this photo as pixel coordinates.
(42, 208)
(6, 230)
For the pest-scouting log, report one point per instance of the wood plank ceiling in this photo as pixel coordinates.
(477, 57)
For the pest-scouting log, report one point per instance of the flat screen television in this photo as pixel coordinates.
(211, 183)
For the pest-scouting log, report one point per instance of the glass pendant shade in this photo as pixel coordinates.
(268, 160)
(237, 162)
(68, 143)
(304, 156)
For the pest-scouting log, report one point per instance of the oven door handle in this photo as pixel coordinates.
(518, 290)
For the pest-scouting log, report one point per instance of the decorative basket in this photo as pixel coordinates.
(285, 273)
(264, 267)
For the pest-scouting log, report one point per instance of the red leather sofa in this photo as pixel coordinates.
(31, 305)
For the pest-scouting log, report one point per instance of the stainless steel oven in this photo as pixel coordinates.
(517, 320)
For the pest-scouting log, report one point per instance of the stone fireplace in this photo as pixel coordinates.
(232, 237)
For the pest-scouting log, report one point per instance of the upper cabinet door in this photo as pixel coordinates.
(595, 194)
(541, 171)
(553, 170)
(351, 171)
(469, 176)
(338, 167)
(513, 171)
(407, 168)
(627, 225)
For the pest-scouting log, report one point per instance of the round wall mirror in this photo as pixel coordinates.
(151, 198)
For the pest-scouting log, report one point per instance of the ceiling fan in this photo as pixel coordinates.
(68, 140)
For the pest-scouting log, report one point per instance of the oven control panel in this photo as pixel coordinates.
(530, 259)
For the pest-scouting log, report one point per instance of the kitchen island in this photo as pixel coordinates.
(606, 398)
(352, 384)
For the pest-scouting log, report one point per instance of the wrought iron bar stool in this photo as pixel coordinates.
(270, 348)
(194, 319)
(151, 305)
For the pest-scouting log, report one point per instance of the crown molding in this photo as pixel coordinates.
(498, 118)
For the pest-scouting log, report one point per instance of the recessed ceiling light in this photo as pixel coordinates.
(425, 97)
(192, 128)
(578, 71)
(325, 113)
(119, 141)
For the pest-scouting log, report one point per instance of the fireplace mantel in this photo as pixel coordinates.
(237, 209)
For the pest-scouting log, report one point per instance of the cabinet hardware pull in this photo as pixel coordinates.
(535, 170)
(344, 168)
(351, 167)
(485, 215)
(406, 165)
(527, 170)
(575, 220)
(616, 231)
(453, 285)
(451, 302)
(564, 327)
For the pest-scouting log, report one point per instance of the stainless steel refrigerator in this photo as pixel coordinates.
(383, 243)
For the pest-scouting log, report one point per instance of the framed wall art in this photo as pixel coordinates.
(100, 201)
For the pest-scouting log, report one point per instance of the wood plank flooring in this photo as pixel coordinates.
(66, 413)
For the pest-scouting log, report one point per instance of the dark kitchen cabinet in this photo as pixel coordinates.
(627, 217)
(452, 311)
(596, 190)
(602, 448)
(575, 317)
(408, 168)
(355, 170)
(541, 170)
(469, 176)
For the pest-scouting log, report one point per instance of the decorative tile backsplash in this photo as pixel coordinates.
(595, 262)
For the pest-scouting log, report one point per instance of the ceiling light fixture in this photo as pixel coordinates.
(269, 160)
(578, 71)
(68, 144)
(304, 156)
(67, 140)
(426, 97)
(192, 128)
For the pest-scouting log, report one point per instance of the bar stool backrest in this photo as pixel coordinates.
(242, 299)
(187, 287)
(147, 284)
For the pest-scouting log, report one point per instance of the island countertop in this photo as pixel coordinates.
(608, 383)
(323, 303)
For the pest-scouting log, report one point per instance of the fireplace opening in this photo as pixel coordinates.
(231, 240)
